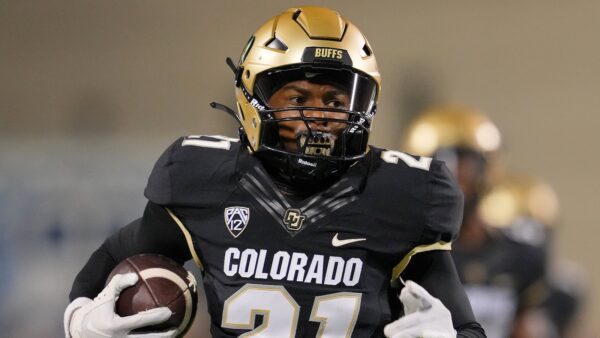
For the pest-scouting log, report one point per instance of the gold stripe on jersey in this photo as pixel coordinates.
(188, 239)
(441, 245)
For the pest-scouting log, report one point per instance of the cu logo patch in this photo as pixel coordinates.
(293, 219)
(236, 219)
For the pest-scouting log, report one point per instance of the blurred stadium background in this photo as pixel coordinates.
(91, 92)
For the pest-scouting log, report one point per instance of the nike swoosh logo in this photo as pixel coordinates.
(335, 241)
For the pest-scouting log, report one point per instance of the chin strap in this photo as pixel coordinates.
(229, 111)
(231, 65)
(238, 75)
(236, 71)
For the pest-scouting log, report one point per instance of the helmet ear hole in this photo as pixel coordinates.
(247, 74)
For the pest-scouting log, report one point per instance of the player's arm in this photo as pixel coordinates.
(436, 273)
(155, 232)
(435, 304)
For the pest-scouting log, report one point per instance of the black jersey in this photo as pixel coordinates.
(501, 278)
(293, 269)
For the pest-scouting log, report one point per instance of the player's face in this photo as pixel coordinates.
(469, 175)
(303, 93)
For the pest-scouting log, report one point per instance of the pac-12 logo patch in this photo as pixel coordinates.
(236, 219)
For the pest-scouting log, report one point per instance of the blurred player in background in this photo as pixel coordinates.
(502, 275)
(526, 209)
(300, 227)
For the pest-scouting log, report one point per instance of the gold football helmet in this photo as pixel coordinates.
(523, 207)
(517, 197)
(451, 127)
(465, 139)
(315, 44)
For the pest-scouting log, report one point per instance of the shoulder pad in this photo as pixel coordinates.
(445, 212)
(194, 171)
(423, 189)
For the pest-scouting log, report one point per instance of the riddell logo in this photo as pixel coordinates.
(329, 53)
(254, 103)
(310, 164)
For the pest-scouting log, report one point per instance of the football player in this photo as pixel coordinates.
(501, 275)
(301, 228)
(526, 209)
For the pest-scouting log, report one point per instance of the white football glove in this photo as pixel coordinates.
(424, 316)
(86, 318)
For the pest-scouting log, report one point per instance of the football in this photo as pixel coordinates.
(162, 282)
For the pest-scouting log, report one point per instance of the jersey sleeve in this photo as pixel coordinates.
(155, 232)
(421, 198)
(194, 171)
(444, 209)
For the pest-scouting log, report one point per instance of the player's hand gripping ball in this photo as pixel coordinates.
(162, 282)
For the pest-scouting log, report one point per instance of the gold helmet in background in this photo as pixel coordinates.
(465, 139)
(307, 43)
(523, 207)
(451, 127)
(519, 196)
